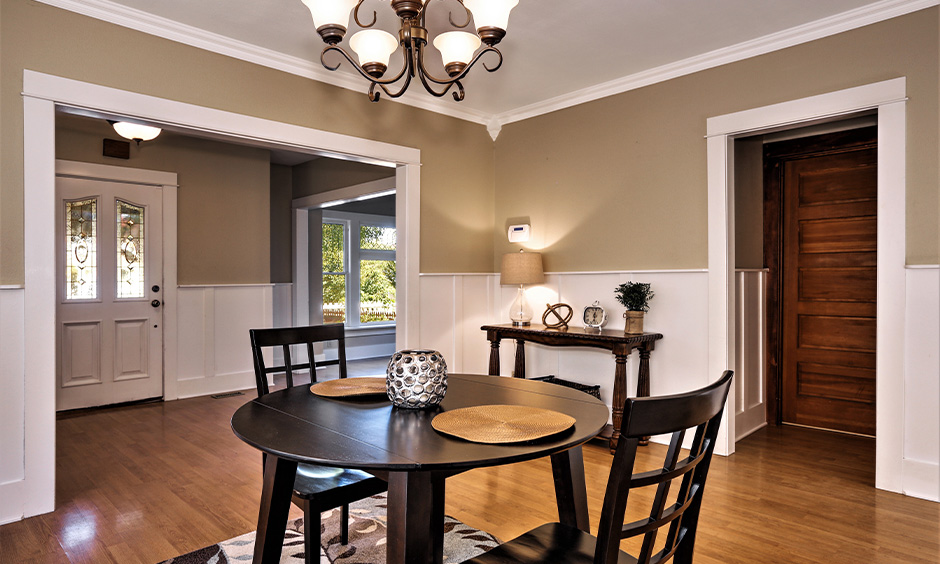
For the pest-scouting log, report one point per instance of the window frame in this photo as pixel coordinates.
(351, 223)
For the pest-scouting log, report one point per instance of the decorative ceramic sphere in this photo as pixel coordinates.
(416, 379)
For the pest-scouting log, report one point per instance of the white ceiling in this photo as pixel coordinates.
(557, 52)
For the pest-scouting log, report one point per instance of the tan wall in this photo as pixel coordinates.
(749, 203)
(456, 177)
(620, 183)
(282, 239)
(323, 175)
(223, 220)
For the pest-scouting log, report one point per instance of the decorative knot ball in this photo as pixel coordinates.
(416, 379)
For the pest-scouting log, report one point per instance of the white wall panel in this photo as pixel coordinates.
(214, 350)
(921, 467)
(12, 455)
(282, 305)
(437, 318)
(750, 329)
(477, 304)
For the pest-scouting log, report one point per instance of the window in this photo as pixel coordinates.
(130, 250)
(81, 265)
(358, 268)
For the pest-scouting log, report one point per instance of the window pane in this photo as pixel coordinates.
(130, 250)
(334, 298)
(81, 264)
(375, 238)
(377, 290)
(333, 248)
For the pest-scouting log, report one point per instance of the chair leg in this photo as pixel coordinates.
(344, 524)
(311, 534)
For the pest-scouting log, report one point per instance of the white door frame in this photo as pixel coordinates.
(168, 182)
(889, 99)
(41, 94)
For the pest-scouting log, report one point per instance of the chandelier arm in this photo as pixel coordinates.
(430, 88)
(459, 94)
(356, 16)
(465, 71)
(374, 96)
(494, 50)
(450, 16)
(352, 61)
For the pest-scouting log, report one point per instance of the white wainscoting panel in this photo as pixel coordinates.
(750, 343)
(214, 350)
(921, 466)
(283, 305)
(454, 306)
(12, 423)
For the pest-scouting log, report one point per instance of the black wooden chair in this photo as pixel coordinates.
(316, 488)
(698, 411)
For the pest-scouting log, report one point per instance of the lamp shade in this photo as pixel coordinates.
(521, 268)
(330, 12)
(457, 46)
(373, 46)
(490, 13)
(135, 131)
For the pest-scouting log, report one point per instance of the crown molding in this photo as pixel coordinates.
(852, 19)
(138, 20)
(132, 18)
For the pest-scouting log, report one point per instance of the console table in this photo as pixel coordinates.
(619, 343)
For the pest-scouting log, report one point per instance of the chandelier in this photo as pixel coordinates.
(374, 47)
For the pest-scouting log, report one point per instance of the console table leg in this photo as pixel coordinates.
(494, 356)
(519, 369)
(620, 396)
(643, 381)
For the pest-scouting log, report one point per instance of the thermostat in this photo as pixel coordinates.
(519, 233)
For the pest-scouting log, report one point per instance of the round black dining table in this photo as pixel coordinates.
(400, 446)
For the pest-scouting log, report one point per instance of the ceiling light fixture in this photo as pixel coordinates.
(135, 131)
(374, 47)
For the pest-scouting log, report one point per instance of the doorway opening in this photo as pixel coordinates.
(806, 284)
(42, 95)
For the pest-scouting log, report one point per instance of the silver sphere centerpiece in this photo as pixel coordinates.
(416, 378)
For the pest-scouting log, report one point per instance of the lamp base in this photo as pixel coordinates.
(520, 324)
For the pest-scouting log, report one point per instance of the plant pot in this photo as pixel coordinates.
(634, 322)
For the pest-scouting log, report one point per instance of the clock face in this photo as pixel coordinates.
(594, 316)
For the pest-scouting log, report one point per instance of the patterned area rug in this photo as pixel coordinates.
(366, 540)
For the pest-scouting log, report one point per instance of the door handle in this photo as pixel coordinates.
(155, 303)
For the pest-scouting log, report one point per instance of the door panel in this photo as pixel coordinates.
(829, 289)
(109, 258)
(81, 366)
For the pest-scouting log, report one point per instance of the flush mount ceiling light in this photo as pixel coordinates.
(374, 47)
(135, 131)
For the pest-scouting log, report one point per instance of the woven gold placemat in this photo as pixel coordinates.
(494, 424)
(347, 387)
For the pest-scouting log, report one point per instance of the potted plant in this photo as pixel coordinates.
(634, 296)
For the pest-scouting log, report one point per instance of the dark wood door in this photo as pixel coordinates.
(827, 280)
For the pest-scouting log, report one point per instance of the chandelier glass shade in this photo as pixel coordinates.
(460, 50)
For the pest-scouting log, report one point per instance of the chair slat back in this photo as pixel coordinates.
(700, 411)
(285, 337)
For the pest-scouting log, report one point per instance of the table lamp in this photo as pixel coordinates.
(521, 268)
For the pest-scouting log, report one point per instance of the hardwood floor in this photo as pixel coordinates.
(145, 483)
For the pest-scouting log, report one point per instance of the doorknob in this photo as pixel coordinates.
(155, 303)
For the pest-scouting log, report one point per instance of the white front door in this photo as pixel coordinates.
(109, 273)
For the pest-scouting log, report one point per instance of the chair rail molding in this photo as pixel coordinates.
(42, 93)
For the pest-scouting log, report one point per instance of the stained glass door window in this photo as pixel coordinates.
(130, 250)
(81, 245)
